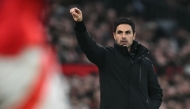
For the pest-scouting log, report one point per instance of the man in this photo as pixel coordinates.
(127, 77)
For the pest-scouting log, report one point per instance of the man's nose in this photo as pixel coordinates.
(123, 36)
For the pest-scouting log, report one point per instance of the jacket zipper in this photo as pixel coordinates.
(140, 74)
(140, 87)
(129, 78)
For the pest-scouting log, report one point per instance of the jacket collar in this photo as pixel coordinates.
(122, 49)
(139, 50)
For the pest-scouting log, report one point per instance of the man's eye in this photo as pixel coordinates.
(128, 32)
(119, 32)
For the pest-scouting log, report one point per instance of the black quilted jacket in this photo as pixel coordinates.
(126, 81)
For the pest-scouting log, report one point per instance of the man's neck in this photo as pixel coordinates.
(129, 49)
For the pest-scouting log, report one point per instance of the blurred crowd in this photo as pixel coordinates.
(168, 42)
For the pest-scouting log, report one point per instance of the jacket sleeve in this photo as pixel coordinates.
(154, 89)
(94, 52)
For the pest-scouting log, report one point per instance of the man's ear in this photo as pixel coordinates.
(134, 36)
(114, 36)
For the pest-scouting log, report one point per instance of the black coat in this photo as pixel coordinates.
(126, 81)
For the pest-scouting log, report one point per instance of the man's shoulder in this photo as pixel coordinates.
(147, 59)
(148, 62)
(110, 49)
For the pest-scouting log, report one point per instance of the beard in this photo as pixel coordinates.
(124, 43)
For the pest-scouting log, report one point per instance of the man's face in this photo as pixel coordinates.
(124, 35)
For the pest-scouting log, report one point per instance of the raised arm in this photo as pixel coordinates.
(94, 52)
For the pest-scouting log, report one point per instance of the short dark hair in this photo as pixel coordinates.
(124, 20)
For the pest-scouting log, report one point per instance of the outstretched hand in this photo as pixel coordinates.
(77, 14)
